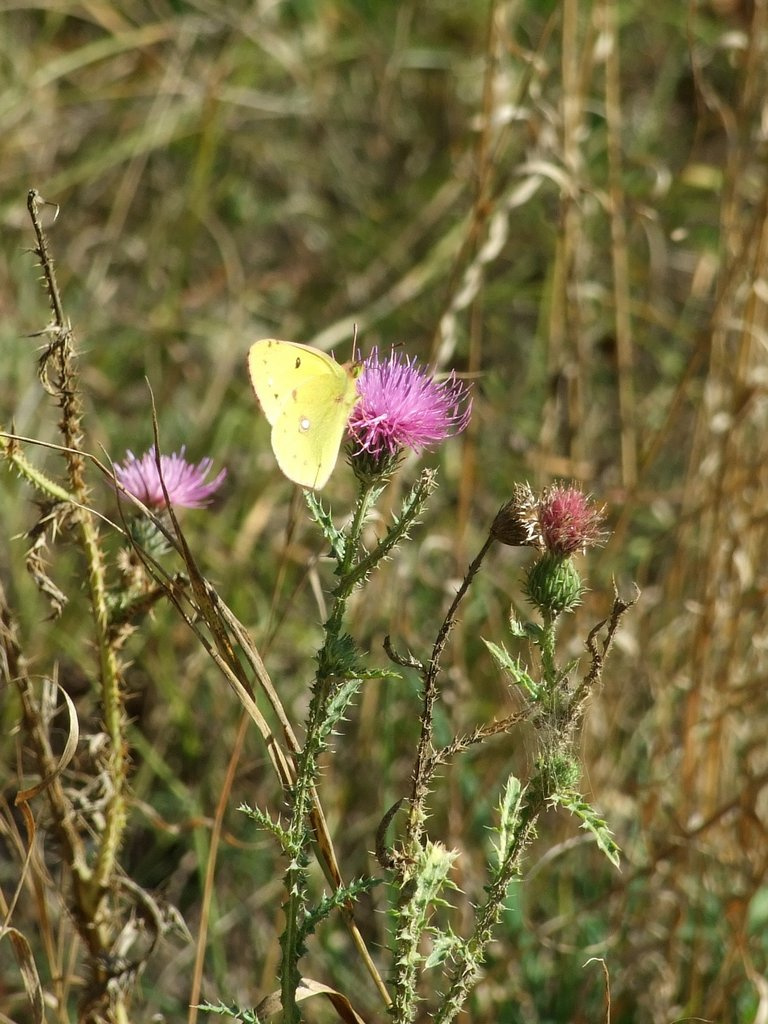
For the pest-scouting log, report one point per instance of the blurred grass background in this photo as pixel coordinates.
(567, 203)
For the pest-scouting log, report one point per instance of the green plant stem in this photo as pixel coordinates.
(408, 936)
(368, 494)
(547, 645)
(406, 958)
(10, 449)
(489, 913)
(306, 768)
(421, 775)
(115, 817)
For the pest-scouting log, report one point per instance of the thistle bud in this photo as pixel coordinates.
(561, 520)
(517, 522)
(553, 585)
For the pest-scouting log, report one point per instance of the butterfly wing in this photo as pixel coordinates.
(278, 367)
(307, 434)
(308, 398)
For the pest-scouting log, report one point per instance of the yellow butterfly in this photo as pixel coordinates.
(308, 398)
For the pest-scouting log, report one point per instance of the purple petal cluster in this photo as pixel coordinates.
(560, 519)
(185, 483)
(569, 520)
(401, 406)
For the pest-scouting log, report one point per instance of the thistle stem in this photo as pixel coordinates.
(306, 768)
(421, 774)
(547, 646)
(472, 952)
(409, 934)
(91, 888)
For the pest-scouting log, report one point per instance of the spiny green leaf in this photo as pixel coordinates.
(444, 944)
(334, 536)
(590, 820)
(341, 896)
(509, 812)
(266, 822)
(513, 667)
(234, 1012)
(431, 877)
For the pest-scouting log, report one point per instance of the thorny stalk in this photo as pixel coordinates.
(420, 778)
(307, 761)
(58, 374)
(542, 787)
(408, 936)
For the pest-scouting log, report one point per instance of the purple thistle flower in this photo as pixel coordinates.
(569, 520)
(184, 482)
(560, 520)
(401, 406)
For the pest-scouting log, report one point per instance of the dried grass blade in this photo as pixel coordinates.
(28, 971)
(73, 736)
(307, 988)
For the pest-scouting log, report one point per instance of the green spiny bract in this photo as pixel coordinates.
(553, 585)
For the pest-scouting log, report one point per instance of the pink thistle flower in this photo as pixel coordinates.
(401, 406)
(184, 482)
(560, 520)
(569, 521)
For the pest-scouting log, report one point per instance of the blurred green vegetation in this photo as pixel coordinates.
(564, 202)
